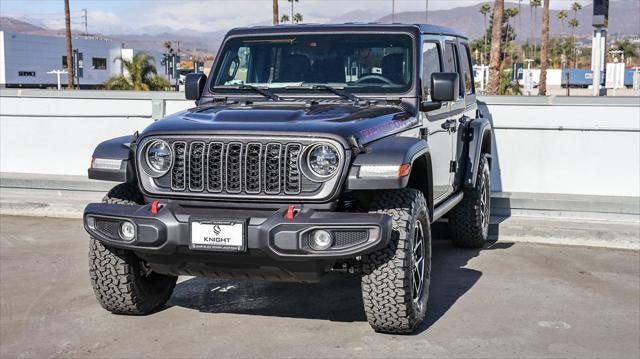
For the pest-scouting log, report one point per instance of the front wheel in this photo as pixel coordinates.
(122, 282)
(395, 283)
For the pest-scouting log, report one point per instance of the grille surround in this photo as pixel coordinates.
(248, 171)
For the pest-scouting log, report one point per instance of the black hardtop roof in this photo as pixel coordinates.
(353, 26)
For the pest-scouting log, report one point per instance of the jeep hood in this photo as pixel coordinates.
(366, 123)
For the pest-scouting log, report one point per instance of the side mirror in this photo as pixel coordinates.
(194, 86)
(445, 86)
(426, 106)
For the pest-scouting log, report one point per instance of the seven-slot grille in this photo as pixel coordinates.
(236, 167)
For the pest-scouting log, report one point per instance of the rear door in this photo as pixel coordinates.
(467, 107)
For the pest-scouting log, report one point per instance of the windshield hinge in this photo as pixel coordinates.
(356, 147)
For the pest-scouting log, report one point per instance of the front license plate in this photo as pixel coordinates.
(218, 235)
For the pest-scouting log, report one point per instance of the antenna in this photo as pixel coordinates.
(84, 16)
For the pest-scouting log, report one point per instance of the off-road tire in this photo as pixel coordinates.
(469, 220)
(121, 282)
(388, 277)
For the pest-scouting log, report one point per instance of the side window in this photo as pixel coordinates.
(450, 60)
(465, 67)
(430, 65)
(452, 64)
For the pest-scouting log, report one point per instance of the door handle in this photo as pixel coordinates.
(449, 125)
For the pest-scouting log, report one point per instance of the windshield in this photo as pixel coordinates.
(363, 63)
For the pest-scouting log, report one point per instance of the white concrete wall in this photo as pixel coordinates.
(566, 148)
(546, 145)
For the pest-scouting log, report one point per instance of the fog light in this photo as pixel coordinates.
(127, 231)
(321, 240)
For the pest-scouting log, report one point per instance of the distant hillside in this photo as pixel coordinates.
(623, 19)
(15, 25)
(205, 44)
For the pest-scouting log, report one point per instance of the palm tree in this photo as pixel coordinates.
(67, 33)
(562, 15)
(544, 56)
(141, 75)
(629, 50)
(297, 18)
(575, 7)
(493, 86)
(484, 10)
(284, 18)
(510, 13)
(275, 12)
(292, 1)
(533, 7)
(573, 23)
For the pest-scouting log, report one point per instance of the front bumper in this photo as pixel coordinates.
(276, 247)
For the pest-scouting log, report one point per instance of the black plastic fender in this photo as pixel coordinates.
(478, 136)
(104, 165)
(389, 151)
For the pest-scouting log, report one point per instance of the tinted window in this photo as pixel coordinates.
(465, 67)
(450, 61)
(430, 65)
(372, 63)
(99, 63)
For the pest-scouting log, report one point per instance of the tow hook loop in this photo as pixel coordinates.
(155, 206)
(291, 212)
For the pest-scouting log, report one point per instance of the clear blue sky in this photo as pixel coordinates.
(138, 16)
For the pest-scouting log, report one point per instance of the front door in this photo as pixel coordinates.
(437, 124)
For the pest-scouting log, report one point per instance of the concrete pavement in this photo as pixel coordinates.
(507, 300)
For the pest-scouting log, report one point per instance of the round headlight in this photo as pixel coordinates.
(159, 157)
(324, 160)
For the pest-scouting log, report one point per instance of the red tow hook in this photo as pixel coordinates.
(291, 212)
(155, 205)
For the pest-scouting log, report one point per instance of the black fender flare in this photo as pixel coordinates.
(389, 151)
(104, 164)
(479, 136)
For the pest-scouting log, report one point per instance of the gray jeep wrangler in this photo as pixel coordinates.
(310, 149)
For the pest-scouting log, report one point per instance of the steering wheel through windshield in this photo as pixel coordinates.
(376, 79)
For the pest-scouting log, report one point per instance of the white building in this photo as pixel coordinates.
(25, 60)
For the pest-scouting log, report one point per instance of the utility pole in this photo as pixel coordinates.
(426, 11)
(393, 10)
(67, 23)
(600, 23)
(276, 15)
(84, 12)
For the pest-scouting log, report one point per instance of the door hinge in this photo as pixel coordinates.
(453, 166)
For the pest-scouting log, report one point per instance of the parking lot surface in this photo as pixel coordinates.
(506, 300)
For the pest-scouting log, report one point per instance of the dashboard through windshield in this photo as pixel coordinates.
(357, 63)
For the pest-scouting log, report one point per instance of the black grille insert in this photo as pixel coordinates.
(349, 238)
(238, 167)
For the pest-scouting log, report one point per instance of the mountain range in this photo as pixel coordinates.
(623, 20)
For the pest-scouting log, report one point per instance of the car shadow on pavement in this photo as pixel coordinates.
(336, 298)
(450, 279)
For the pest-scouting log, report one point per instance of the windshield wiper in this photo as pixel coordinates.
(264, 92)
(343, 94)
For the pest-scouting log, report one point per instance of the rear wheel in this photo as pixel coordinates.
(469, 220)
(122, 283)
(395, 284)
